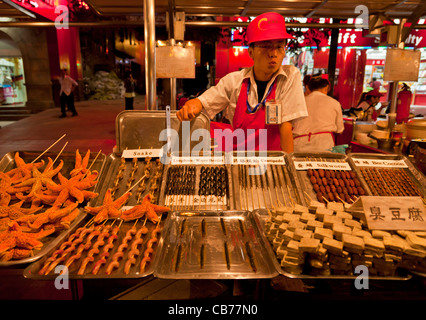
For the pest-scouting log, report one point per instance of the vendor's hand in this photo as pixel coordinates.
(190, 110)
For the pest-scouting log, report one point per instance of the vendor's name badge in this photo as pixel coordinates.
(273, 112)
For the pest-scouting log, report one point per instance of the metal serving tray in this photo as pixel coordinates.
(414, 174)
(273, 187)
(140, 129)
(262, 217)
(32, 271)
(302, 176)
(194, 247)
(7, 163)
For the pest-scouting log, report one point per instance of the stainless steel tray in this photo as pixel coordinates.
(306, 186)
(8, 162)
(274, 187)
(188, 253)
(32, 271)
(261, 220)
(413, 173)
(140, 129)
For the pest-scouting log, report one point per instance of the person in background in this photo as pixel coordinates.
(129, 86)
(368, 103)
(66, 94)
(315, 133)
(305, 83)
(244, 95)
(375, 84)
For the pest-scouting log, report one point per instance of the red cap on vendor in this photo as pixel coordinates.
(267, 26)
(375, 93)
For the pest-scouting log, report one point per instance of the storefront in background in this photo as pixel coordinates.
(12, 79)
(358, 60)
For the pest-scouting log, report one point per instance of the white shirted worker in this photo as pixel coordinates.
(315, 133)
(267, 95)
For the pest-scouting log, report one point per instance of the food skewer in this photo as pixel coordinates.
(250, 181)
(202, 256)
(148, 251)
(240, 182)
(41, 154)
(269, 189)
(227, 257)
(223, 226)
(178, 257)
(263, 189)
(203, 227)
(110, 244)
(281, 187)
(241, 227)
(250, 256)
(254, 176)
(244, 186)
(275, 185)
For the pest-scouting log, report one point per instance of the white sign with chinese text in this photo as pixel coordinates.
(380, 163)
(391, 213)
(142, 153)
(305, 165)
(180, 160)
(259, 160)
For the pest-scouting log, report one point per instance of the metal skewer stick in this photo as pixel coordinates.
(289, 194)
(247, 185)
(240, 182)
(254, 176)
(282, 190)
(243, 177)
(269, 189)
(275, 185)
(251, 186)
(263, 188)
(286, 182)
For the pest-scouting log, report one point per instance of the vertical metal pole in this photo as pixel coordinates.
(150, 76)
(332, 58)
(392, 113)
(173, 84)
(172, 43)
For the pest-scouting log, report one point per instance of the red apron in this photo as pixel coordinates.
(312, 133)
(249, 125)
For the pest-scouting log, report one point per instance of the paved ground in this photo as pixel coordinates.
(93, 128)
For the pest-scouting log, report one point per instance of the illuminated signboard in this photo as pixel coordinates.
(45, 8)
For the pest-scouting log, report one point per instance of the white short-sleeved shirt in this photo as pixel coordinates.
(325, 115)
(224, 96)
(66, 85)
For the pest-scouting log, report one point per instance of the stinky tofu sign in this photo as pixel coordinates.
(392, 213)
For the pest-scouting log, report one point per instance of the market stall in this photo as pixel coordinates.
(222, 217)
